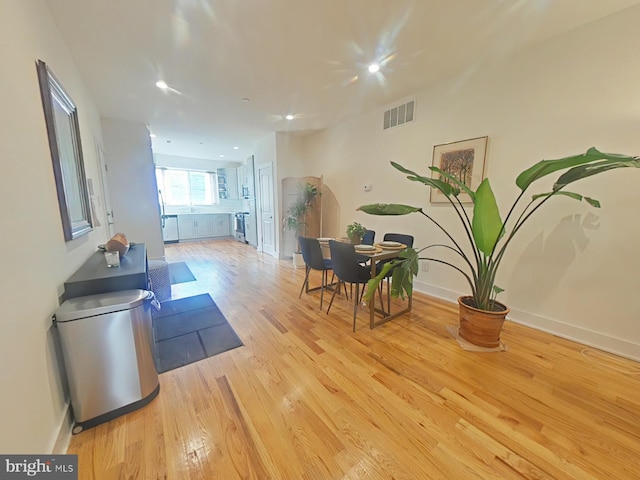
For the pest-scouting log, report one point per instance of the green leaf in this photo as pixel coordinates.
(592, 201)
(388, 209)
(584, 171)
(372, 285)
(401, 281)
(486, 225)
(546, 167)
(444, 187)
(450, 177)
(575, 196)
(497, 289)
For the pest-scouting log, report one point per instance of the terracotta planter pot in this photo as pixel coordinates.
(356, 239)
(480, 327)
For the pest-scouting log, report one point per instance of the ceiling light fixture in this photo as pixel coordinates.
(374, 67)
(236, 148)
(289, 117)
(161, 85)
(221, 156)
(152, 135)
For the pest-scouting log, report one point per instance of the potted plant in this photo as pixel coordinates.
(355, 231)
(487, 234)
(296, 217)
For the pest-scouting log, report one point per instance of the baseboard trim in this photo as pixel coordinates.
(617, 346)
(61, 443)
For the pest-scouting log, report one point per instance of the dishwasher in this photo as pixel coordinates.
(170, 228)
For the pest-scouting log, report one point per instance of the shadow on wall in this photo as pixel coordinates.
(544, 262)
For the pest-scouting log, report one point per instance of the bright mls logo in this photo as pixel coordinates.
(51, 467)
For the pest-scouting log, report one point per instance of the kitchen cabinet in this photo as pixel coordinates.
(228, 184)
(203, 225)
(194, 226)
(220, 225)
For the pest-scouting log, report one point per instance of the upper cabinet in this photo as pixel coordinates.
(245, 179)
(228, 184)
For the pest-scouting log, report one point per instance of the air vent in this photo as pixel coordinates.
(399, 115)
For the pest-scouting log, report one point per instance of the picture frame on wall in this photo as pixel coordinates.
(63, 132)
(464, 160)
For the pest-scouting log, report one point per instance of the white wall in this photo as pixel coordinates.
(132, 183)
(36, 259)
(573, 270)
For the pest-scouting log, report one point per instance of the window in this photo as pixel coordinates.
(187, 187)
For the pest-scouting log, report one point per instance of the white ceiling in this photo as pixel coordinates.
(305, 57)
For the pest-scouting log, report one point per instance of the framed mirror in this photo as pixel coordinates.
(63, 131)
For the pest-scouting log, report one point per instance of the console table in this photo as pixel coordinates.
(95, 277)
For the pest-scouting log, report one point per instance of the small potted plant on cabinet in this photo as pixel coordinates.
(296, 217)
(355, 231)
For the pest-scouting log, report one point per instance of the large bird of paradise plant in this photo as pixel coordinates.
(487, 234)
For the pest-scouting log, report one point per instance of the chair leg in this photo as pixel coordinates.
(388, 298)
(355, 306)
(306, 280)
(333, 296)
(380, 296)
(324, 281)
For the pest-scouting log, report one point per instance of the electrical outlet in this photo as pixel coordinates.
(424, 265)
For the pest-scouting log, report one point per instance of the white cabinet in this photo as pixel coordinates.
(203, 225)
(220, 225)
(194, 226)
(232, 183)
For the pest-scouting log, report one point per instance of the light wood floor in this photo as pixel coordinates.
(306, 398)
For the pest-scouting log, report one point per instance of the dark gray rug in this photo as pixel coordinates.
(180, 273)
(190, 329)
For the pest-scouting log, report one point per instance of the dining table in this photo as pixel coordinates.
(378, 253)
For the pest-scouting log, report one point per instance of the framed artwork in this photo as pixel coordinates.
(63, 131)
(463, 160)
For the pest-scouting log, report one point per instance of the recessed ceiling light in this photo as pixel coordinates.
(236, 148)
(245, 99)
(161, 85)
(374, 67)
(289, 117)
(152, 135)
(221, 156)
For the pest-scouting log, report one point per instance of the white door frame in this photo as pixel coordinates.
(104, 183)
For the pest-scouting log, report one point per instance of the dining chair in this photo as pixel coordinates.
(367, 239)
(392, 237)
(313, 260)
(348, 270)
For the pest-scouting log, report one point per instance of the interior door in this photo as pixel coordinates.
(267, 214)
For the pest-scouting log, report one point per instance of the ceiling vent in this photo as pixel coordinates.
(399, 115)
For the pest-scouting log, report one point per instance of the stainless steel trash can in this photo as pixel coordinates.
(107, 344)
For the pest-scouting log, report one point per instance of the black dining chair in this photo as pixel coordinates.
(313, 260)
(367, 239)
(392, 237)
(348, 270)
